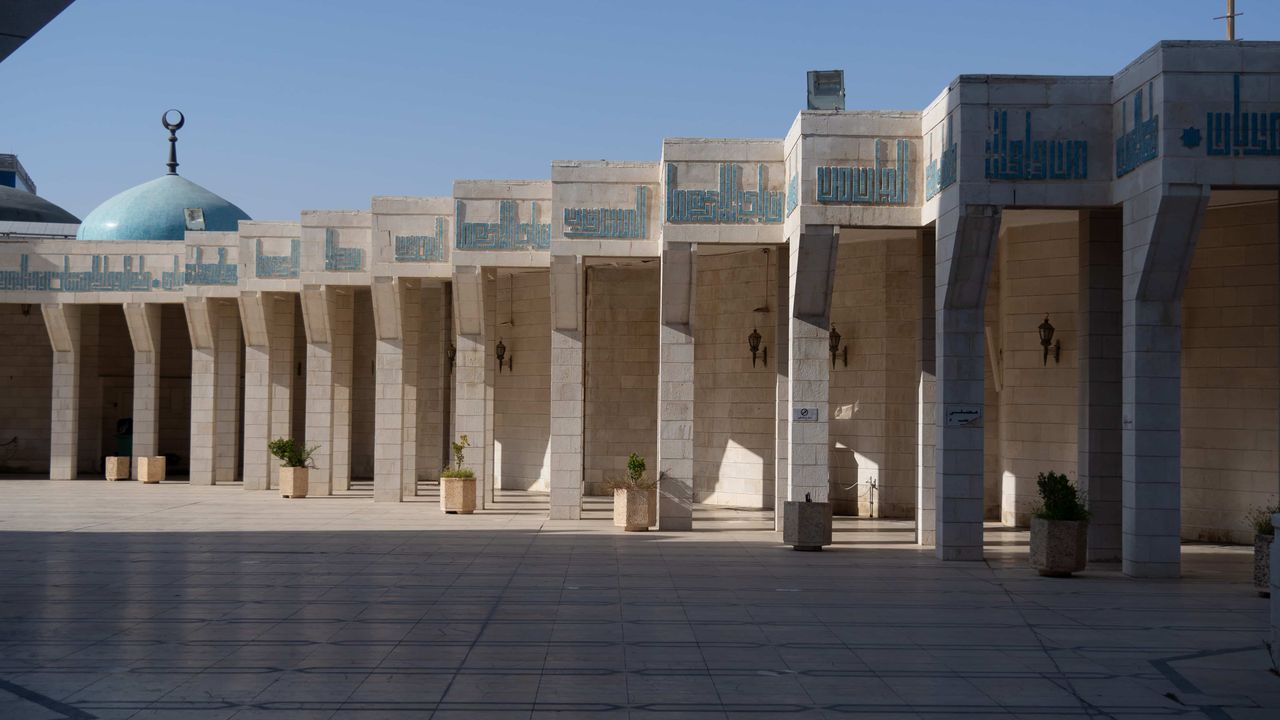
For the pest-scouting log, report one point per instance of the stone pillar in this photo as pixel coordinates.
(267, 320)
(810, 282)
(434, 380)
(1160, 231)
(143, 321)
(1274, 580)
(285, 370)
(318, 309)
(675, 387)
(567, 389)
(214, 327)
(966, 244)
(782, 394)
(63, 322)
(1099, 442)
(470, 374)
(343, 353)
(397, 312)
(926, 396)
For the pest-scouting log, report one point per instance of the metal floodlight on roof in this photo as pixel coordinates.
(826, 90)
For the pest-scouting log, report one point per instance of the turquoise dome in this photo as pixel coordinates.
(156, 210)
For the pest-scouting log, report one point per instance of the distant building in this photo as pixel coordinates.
(911, 314)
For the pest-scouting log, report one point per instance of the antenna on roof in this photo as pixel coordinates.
(1230, 17)
(173, 128)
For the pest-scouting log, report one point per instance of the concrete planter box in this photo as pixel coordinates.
(806, 525)
(293, 482)
(117, 467)
(458, 495)
(1059, 547)
(620, 510)
(151, 469)
(1262, 545)
(635, 510)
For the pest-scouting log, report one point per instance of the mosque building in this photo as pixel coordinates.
(911, 314)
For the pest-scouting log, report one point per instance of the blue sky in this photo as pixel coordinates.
(297, 104)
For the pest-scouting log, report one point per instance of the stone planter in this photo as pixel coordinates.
(293, 482)
(458, 495)
(117, 467)
(151, 469)
(1059, 547)
(635, 510)
(1262, 563)
(806, 525)
(620, 511)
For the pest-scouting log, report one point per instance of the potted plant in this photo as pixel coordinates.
(295, 459)
(1264, 534)
(635, 498)
(458, 483)
(1059, 528)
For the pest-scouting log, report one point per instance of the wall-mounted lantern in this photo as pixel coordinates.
(753, 343)
(452, 355)
(502, 356)
(1047, 342)
(833, 344)
(26, 308)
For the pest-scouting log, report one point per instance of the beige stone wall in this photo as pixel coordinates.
(621, 368)
(1230, 399)
(434, 381)
(733, 424)
(1037, 424)
(362, 387)
(522, 396)
(26, 369)
(872, 430)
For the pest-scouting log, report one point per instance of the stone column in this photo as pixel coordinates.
(434, 380)
(470, 374)
(320, 311)
(567, 389)
(1160, 231)
(267, 320)
(966, 243)
(675, 387)
(810, 281)
(782, 394)
(214, 327)
(926, 396)
(143, 320)
(281, 316)
(63, 322)
(343, 355)
(397, 311)
(1099, 441)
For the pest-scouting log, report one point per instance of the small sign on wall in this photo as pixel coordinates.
(961, 415)
(804, 414)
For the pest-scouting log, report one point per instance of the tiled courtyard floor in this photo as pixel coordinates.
(119, 600)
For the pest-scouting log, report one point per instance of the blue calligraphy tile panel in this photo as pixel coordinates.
(610, 223)
(1240, 134)
(421, 248)
(338, 258)
(875, 184)
(98, 278)
(940, 172)
(217, 273)
(793, 193)
(1030, 158)
(506, 234)
(278, 266)
(728, 204)
(1140, 143)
